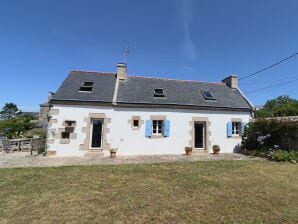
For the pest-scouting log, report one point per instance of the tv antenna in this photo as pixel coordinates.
(125, 54)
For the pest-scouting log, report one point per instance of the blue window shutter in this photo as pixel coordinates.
(229, 129)
(148, 132)
(243, 124)
(166, 132)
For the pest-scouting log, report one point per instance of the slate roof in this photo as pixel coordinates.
(139, 90)
(187, 93)
(103, 87)
(45, 104)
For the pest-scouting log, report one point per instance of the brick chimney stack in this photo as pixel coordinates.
(231, 81)
(121, 71)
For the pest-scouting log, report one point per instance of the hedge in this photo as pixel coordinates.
(271, 133)
(275, 139)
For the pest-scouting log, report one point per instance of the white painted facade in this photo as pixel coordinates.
(133, 142)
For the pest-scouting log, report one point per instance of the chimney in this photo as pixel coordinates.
(231, 81)
(50, 95)
(121, 71)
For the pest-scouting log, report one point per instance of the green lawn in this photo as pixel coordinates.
(189, 192)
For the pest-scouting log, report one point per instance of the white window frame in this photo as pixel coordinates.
(236, 127)
(157, 127)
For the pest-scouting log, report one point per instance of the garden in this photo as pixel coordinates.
(21, 131)
(274, 132)
(186, 192)
(274, 139)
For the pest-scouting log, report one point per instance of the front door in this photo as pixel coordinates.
(96, 133)
(199, 135)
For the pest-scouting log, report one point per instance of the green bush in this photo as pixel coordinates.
(283, 156)
(277, 155)
(270, 133)
(41, 132)
(187, 148)
(273, 139)
(41, 150)
(15, 126)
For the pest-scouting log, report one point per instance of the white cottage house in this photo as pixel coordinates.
(94, 111)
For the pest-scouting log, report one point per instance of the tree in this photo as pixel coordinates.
(289, 109)
(279, 107)
(16, 126)
(8, 111)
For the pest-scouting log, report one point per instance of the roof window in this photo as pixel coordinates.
(158, 92)
(208, 95)
(86, 86)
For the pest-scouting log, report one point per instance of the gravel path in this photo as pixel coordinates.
(24, 159)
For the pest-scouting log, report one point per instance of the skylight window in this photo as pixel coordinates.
(208, 95)
(86, 86)
(158, 92)
(88, 83)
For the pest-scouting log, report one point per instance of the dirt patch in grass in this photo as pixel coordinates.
(189, 192)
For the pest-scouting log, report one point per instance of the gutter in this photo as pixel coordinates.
(177, 106)
(145, 105)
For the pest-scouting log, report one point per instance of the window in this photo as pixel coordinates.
(158, 92)
(236, 128)
(65, 135)
(135, 123)
(208, 95)
(86, 86)
(69, 127)
(157, 127)
(70, 123)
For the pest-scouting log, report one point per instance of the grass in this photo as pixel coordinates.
(190, 192)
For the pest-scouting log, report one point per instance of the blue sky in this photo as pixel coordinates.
(42, 40)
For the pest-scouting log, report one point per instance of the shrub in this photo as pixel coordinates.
(215, 147)
(277, 155)
(270, 133)
(283, 156)
(273, 139)
(41, 132)
(187, 148)
(41, 149)
(113, 149)
(15, 126)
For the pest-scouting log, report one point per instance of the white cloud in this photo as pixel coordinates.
(188, 45)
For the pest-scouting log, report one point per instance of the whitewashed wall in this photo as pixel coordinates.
(129, 141)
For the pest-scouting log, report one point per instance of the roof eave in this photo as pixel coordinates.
(179, 106)
(79, 102)
(143, 105)
(246, 99)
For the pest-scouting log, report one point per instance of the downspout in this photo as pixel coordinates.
(120, 75)
(115, 95)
